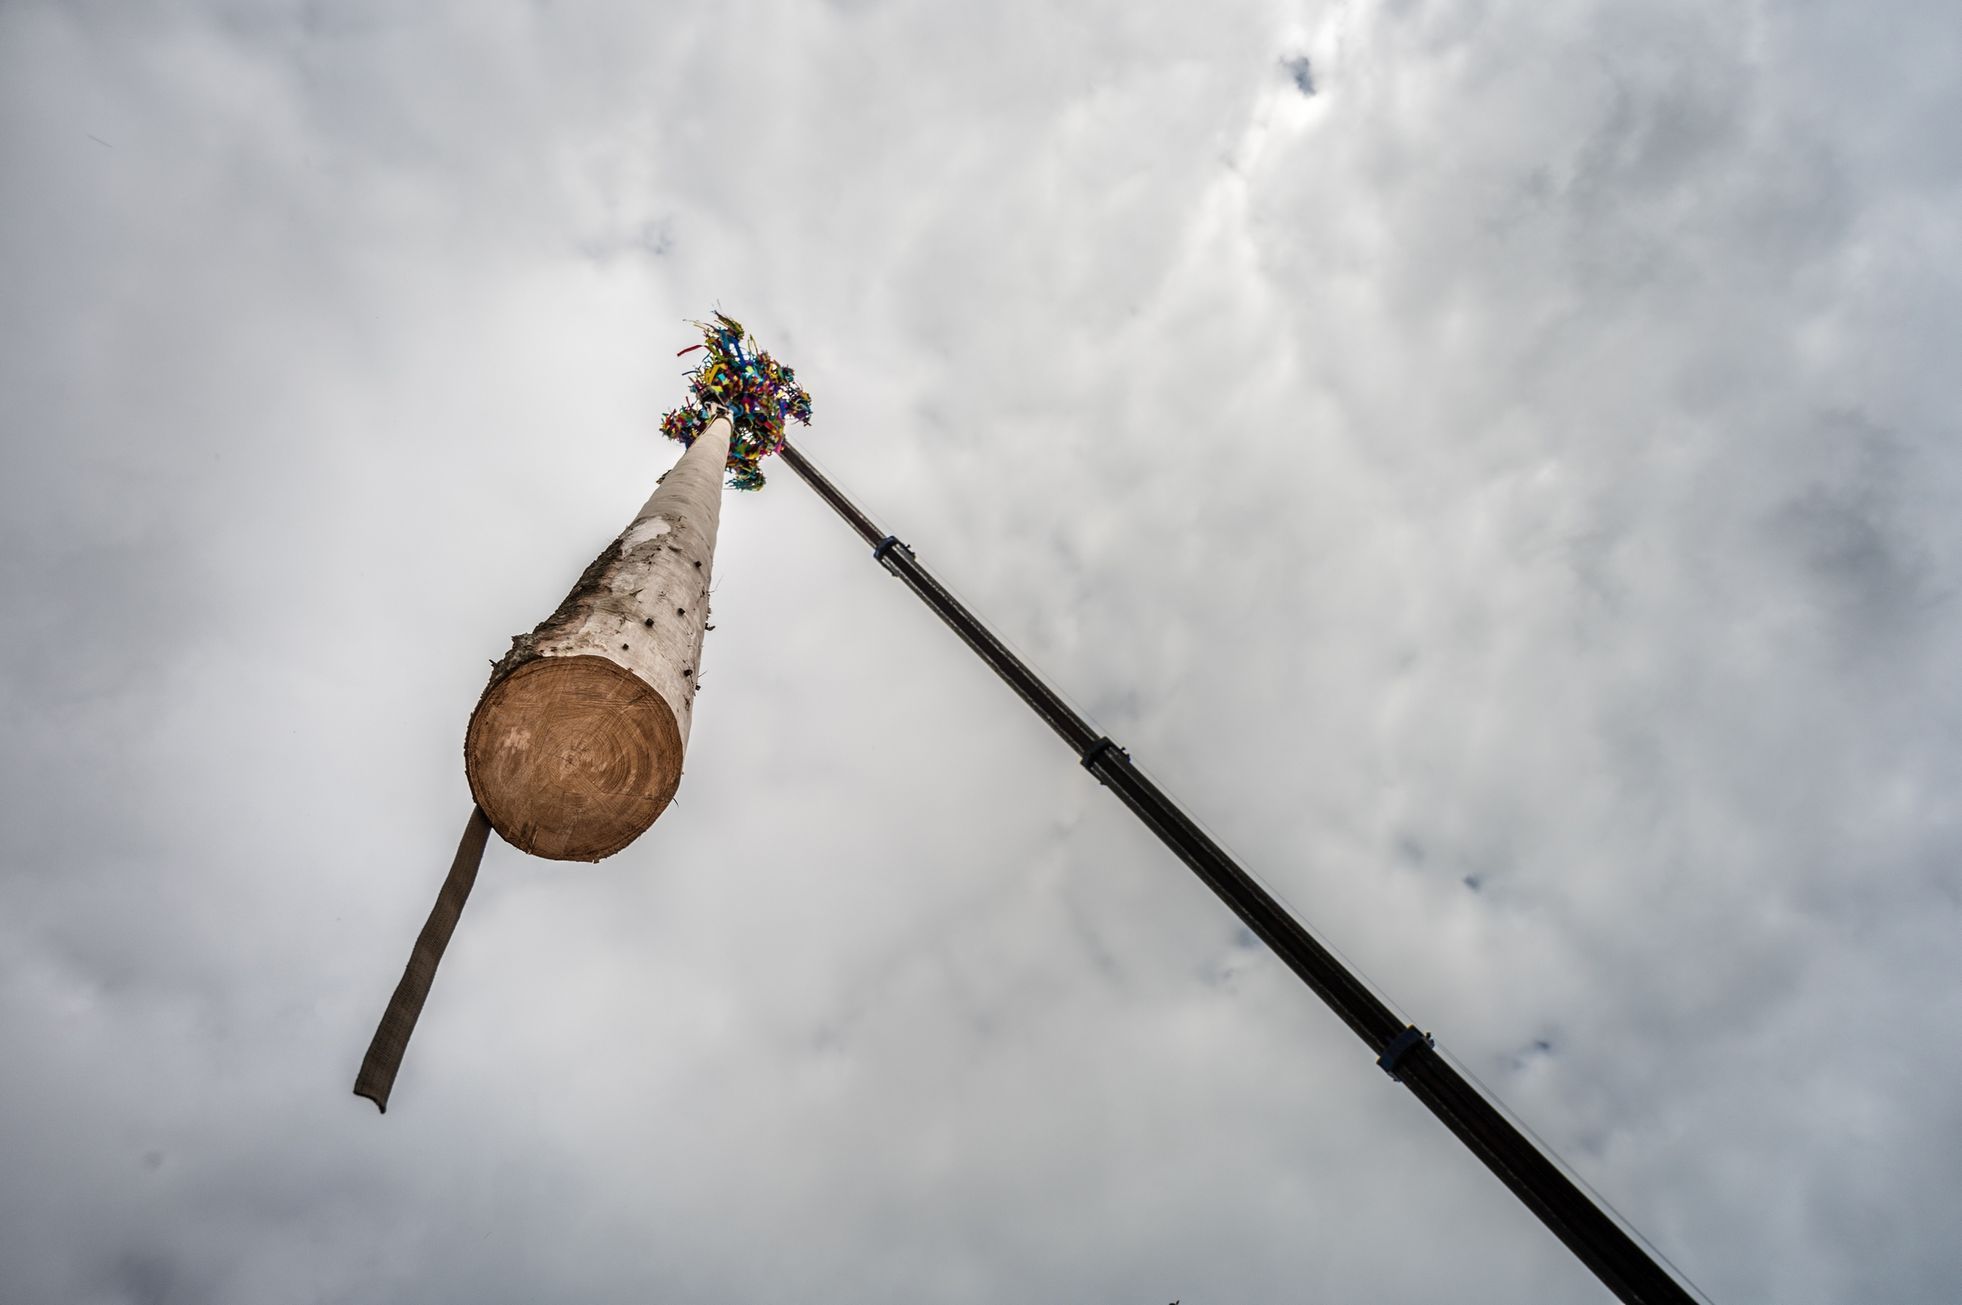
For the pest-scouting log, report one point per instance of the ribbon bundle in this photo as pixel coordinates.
(755, 389)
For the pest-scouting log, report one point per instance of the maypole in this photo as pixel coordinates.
(577, 743)
(576, 746)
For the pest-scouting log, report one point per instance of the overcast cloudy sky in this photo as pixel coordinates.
(1495, 462)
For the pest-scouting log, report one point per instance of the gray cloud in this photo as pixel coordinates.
(1507, 494)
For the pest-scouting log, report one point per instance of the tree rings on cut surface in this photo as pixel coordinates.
(572, 758)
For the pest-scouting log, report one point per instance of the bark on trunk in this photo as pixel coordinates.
(577, 744)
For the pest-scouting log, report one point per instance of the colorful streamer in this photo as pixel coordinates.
(756, 390)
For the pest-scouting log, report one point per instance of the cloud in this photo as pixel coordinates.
(1507, 494)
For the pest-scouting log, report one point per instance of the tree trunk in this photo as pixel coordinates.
(577, 744)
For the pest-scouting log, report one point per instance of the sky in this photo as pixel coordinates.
(1494, 462)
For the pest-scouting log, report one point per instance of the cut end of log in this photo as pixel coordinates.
(572, 758)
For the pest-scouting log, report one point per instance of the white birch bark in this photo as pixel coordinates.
(578, 741)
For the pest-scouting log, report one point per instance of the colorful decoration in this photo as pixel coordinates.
(756, 390)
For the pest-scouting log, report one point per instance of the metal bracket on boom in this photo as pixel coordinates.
(1098, 749)
(885, 546)
(1400, 1046)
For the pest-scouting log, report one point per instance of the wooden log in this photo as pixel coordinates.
(577, 743)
